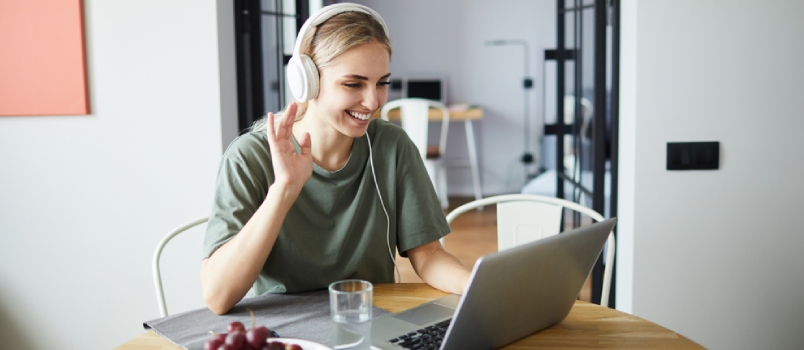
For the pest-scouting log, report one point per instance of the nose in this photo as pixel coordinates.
(374, 97)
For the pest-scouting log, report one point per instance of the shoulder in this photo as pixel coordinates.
(393, 144)
(249, 148)
(385, 132)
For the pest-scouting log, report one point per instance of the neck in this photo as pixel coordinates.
(330, 149)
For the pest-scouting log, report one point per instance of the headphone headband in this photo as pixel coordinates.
(330, 11)
(302, 74)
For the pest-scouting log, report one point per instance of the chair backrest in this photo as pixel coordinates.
(414, 116)
(160, 294)
(523, 218)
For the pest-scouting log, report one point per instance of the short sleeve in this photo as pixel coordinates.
(420, 219)
(244, 175)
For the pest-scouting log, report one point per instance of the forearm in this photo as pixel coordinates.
(440, 269)
(228, 274)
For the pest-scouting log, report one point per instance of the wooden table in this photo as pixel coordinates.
(474, 113)
(467, 116)
(586, 326)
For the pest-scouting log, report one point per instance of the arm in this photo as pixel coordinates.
(439, 268)
(231, 270)
(228, 274)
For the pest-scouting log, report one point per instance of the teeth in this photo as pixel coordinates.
(360, 116)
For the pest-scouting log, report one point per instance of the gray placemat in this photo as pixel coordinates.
(302, 315)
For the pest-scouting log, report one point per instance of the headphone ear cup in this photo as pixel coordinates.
(302, 76)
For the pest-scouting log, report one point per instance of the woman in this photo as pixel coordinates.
(323, 192)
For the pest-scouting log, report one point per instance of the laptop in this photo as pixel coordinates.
(511, 294)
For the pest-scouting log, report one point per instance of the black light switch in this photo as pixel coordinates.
(693, 155)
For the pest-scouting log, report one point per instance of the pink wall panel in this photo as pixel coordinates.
(42, 59)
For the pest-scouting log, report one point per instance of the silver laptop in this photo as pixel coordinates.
(511, 294)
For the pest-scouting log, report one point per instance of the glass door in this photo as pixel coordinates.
(581, 133)
(266, 32)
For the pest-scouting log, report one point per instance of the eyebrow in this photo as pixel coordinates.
(360, 77)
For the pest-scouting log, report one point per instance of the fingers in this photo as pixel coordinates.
(305, 145)
(270, 129)
(291, 111)
(285, 127)
(282, 130)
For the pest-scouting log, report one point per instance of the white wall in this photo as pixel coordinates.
(85, 199)
(717, 254)
(447, 37)
(626, 158)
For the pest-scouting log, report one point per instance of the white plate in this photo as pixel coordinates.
(305, 344)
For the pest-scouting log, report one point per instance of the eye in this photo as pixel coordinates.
(353, 85)
(384, 83)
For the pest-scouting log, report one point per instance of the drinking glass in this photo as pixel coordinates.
(350, 308)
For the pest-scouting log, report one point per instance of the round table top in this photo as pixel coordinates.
(587, 325)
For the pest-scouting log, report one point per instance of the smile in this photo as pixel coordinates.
(366, 116)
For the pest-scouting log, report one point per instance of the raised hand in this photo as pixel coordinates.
(290, 168)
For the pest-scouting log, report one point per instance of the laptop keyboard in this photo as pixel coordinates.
(425, 338)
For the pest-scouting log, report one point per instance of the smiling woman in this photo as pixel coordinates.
(353, 87)
(322, 192)
(323, 44)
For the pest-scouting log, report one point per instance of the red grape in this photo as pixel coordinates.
(213, 344)
(256, 336)
(237, 340)
(274, 345)
(236, 327)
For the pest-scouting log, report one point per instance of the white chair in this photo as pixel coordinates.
(523, 218)
(414, 116)
(160, 294)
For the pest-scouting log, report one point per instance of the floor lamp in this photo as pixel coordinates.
(527, 84)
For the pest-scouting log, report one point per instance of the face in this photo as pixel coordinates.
(352, 88)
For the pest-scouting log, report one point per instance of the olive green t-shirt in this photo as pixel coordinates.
(336, 229)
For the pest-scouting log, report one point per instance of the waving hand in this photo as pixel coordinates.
(290, 168)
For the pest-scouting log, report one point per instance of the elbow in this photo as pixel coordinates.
(218, 309)
(216, 299)
(220, 294)
(216, 304)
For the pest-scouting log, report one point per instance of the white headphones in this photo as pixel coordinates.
(302, 74)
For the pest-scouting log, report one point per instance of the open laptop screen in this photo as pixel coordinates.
(431, 88)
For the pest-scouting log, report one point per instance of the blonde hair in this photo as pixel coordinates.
(331, 39)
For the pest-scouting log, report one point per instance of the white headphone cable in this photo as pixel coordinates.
(387, 219)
